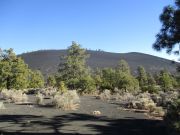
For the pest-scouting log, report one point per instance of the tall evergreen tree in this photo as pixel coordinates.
(14, 73)
(5, 74)
(150, 79)
(142, 77)
(36, 79)
(51, 81)
(123, 67)
(169, 35)
(97, 76)
(152, 86)
(108, 78)
(73, 67)
(166, 81)
(19, 71)
(124, 78)
(127, 82)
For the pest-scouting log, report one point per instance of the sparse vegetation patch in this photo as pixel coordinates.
(66, 101)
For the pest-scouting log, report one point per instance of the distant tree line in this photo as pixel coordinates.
(74, 73)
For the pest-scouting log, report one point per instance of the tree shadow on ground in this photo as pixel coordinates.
(74, 123)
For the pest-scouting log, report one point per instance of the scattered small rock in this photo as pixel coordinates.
(96, 113)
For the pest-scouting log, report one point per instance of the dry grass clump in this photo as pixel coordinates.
(156, 98)
(105, 95)
(164, 98)
(144, 102)
(168, 97)
(141, 103)
(39, 98)
(50, 91)
(135, 101)
(18, 97)
(67, 101)
(5, 94)
(116, 97)
(157, 111)
(2, 105)
(126, 97)
(15, 96)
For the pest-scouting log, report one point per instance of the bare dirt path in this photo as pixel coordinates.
(44, 120)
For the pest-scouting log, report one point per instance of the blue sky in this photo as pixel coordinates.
(111, 25)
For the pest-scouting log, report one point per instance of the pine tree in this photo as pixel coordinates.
(169, 35)
(150, 79)
(13, 71)
(51, 81)
(36, 79)
(87, 84)
(61, 87)
(73, 69)
(97, 76)
(127, 82)
(74, 64)
(5, 74)
(15, 74)
(152, 85)
(124, 78)
(142, 77)
(19, 71)
(108, 78)
(165, 80)
(123, 67)
(120, 78)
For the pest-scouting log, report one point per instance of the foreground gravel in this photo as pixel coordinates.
(32, 119)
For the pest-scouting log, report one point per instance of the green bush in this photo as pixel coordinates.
(72, 83)
(51, 81)
(87, 85)
(36, 79)
(127, 82)
(117, 79)
(154, 89)
(108, 79)
(151, 88)
(62, 87)
(142, 77)
(166, 80)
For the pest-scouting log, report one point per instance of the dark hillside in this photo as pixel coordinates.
(47, 60)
